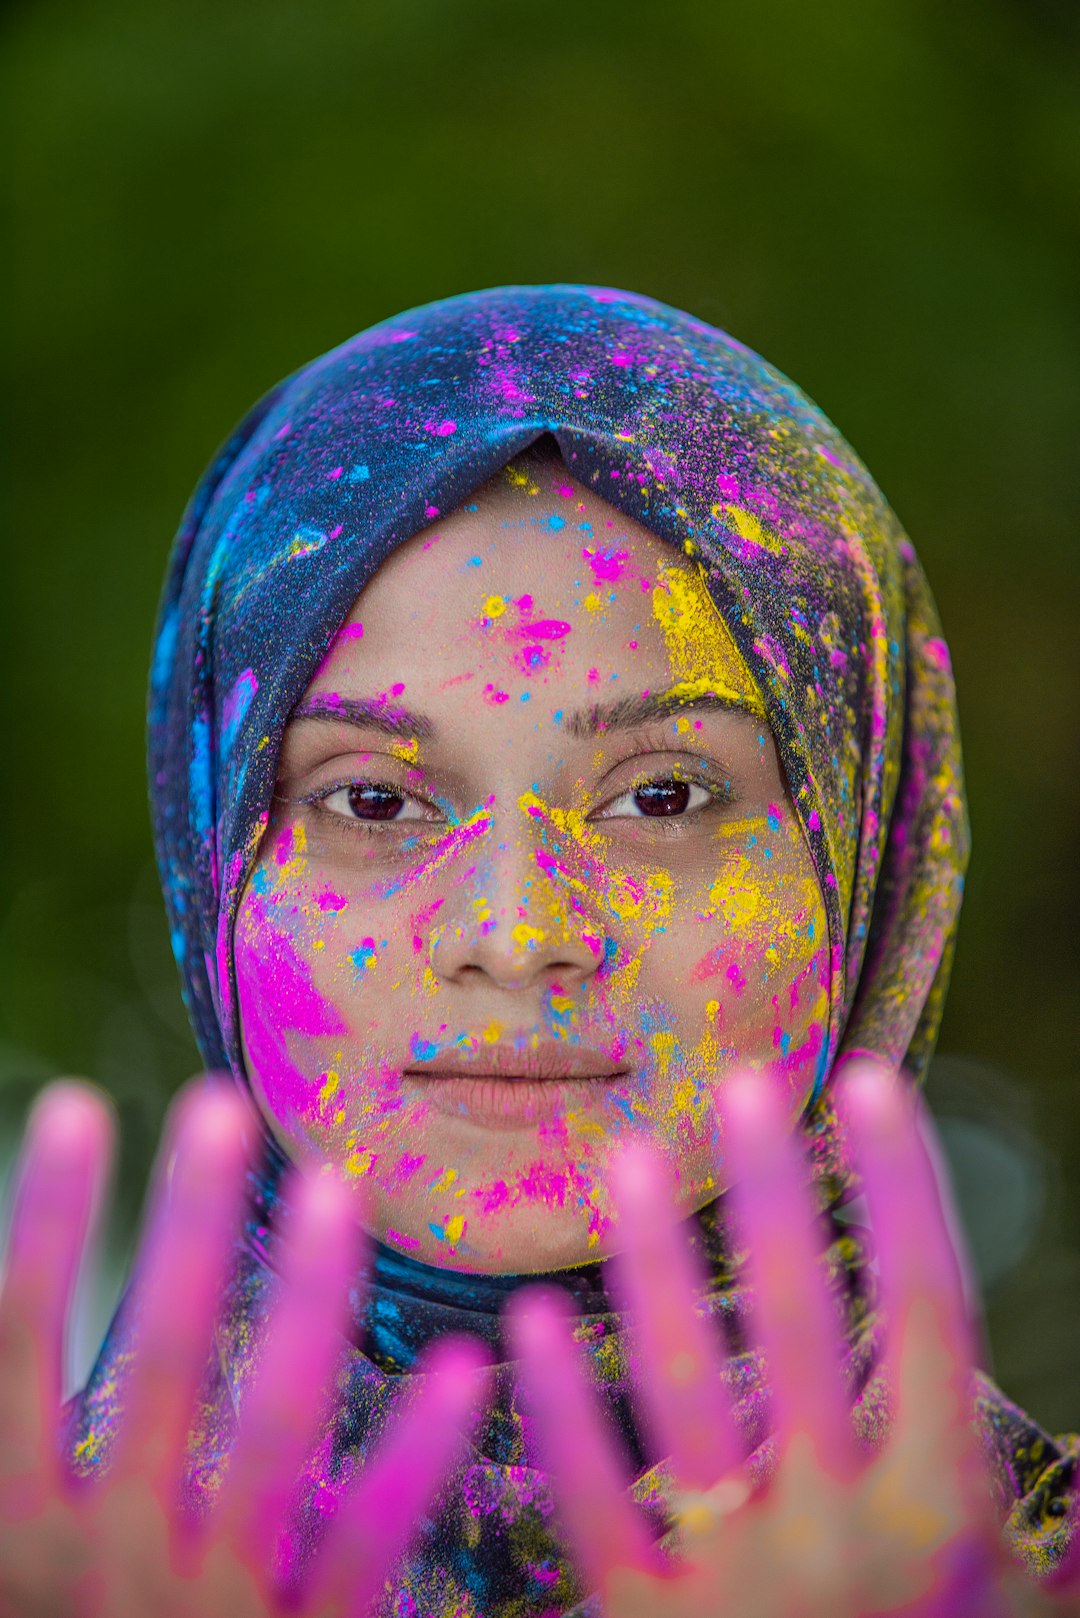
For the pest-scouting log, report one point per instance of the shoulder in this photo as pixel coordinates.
(1035, 1476)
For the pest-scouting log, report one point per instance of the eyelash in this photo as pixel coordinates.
(721, 793)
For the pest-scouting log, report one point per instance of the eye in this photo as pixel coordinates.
(663, 798)
(373, 801)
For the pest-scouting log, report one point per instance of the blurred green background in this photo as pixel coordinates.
(880, 196)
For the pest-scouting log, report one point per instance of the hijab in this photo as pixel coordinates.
(691, 434)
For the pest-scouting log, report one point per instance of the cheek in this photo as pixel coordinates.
(286, 1020)
(755, 960)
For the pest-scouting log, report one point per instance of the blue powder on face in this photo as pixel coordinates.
(359, 473)
(422, 1050)
(362, 957)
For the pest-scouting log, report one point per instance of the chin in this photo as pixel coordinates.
(533, 1239)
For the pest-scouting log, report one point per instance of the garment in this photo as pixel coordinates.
(691, 434)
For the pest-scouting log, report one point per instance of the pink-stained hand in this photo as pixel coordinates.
(123, 1547)
(837, 1533)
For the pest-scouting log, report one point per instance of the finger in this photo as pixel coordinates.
(281, 1413)
(684, 1402)
(377, 1520)
(929, 1335)
(196, 1206)
(60, 1180)
(589, 1480)
(795, 1320)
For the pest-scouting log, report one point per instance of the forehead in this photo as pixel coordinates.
(539, 581)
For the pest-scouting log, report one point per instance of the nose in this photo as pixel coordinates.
(512, 921)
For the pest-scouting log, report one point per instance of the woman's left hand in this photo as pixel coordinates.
(910, 1530)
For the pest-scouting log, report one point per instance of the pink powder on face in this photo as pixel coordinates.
(531, 660)
(286, 845)
(541, 629)
(709, 965)
(420, 921)
(328, 900)
(278, 998)
(407, 1166)
(606, 565)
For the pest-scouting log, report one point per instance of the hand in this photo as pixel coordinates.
(123, 1547)
(836, 1533)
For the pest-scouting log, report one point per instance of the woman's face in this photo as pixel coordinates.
(531, 885)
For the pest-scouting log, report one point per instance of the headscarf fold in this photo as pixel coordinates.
(683, 429)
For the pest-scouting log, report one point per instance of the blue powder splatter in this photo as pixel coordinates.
(202, 777)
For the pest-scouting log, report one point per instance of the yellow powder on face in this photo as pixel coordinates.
(704, 657)
(296, 865)
(407, 752)
(518, 479)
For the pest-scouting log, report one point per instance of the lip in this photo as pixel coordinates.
(502, 1103)
(500, 1087)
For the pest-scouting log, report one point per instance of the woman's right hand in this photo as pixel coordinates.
(123, 1547)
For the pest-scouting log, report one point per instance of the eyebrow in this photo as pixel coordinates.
(626, 713)
(366, 713)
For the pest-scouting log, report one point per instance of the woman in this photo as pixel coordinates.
(547, 715)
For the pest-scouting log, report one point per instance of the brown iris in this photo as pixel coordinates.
(369, 801)
(669, 797)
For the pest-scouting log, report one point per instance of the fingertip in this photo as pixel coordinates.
(639, 1180)
(210, 1118)
(754, 1118)
(70, 1115)
(875, 1104)
(537, 1323)
(462, 1357)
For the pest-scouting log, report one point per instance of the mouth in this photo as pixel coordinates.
(502, 1088)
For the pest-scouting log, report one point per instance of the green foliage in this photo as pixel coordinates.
(880, 197)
